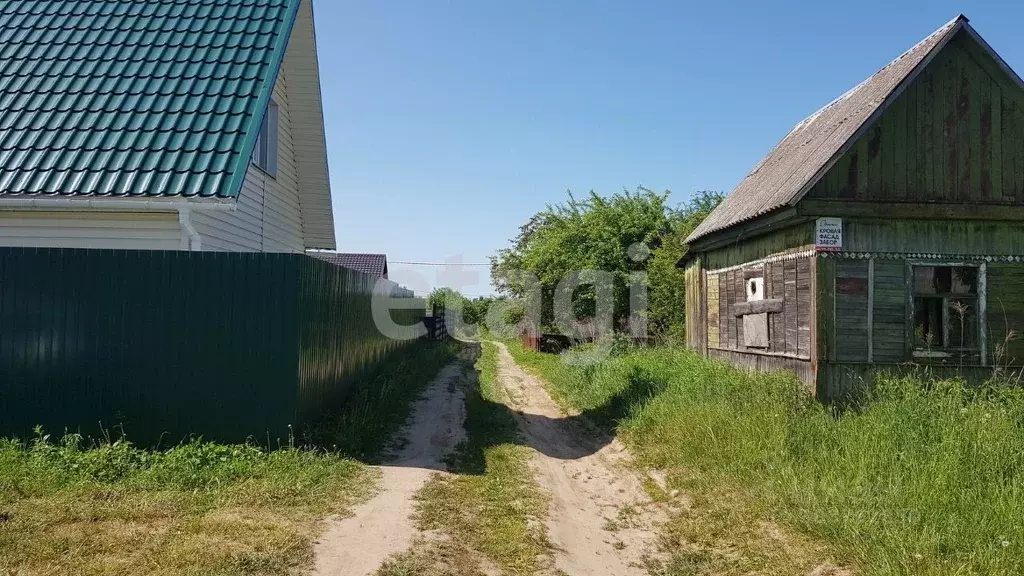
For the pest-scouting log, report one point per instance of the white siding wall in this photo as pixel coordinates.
(268, 218)
(308, 130)
(111, 230)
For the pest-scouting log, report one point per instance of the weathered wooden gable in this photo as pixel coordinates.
(955, 135)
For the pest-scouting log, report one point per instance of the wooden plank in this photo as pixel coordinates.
(911, 210)
(1009, 151)
(757, 272)
(805, 306)
(923, 126)
(777, 330)
(996, 170)
(713, 309)
(871, 309)
(730, 289)
(1018, 121)
(758, 307)
(739, 296)
(791, 305)
(949, 109)
(825, 288)
(913, 148)
(981, 174)
(899, 112)
(964, 128)
(926, 110)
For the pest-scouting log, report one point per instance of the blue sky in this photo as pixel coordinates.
(449, 123)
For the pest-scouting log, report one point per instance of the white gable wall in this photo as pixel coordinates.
(268, 218)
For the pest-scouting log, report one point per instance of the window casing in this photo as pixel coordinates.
(948, 309)
(264, 154)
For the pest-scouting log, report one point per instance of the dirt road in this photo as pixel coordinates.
(356, 546)
(601, 519)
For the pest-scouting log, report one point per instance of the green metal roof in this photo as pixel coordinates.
(147, 97)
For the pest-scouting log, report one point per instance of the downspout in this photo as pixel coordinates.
(190, 239)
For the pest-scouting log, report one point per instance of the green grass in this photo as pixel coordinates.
(493, 506)
(923, 479)
(382, 402)
(201, 508)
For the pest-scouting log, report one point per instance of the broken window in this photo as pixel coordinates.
(946, 308)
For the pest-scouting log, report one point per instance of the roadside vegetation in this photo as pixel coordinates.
(924, 478)
(490, 506)
(70, 506)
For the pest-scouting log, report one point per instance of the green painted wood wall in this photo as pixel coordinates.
(790, 239)
(889, 319)
(967, 237)
(1005, 285)
(956, 134)
(851, 309)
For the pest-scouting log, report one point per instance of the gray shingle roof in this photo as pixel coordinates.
(796, 163)
(375, 265)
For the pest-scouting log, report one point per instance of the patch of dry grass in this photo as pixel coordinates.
(179, 512)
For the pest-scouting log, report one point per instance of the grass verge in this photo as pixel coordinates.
(199, 508)
(492, 505)
(927, 478)
(382, 402)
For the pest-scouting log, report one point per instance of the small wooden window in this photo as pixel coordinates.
(947, 302)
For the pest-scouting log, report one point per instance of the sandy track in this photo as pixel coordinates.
(383, 526)
(601, 519)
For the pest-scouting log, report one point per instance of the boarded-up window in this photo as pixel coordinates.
(755, 326)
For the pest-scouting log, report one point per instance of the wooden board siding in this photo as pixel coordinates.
(1005, 312)
(789, 327)
(766, 363)
(795, 238)
(694, 302)
(851, 306)
(954, 135)
(934, 237)
(714, 327)
(889, 336)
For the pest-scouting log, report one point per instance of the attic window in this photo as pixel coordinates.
(946, 307)
(264, 154)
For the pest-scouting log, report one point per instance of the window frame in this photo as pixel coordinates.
(265, 151)
(945, 352)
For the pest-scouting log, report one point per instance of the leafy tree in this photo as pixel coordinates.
(623, 234)
(666, 298)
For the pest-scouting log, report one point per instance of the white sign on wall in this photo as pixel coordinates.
(828, 236)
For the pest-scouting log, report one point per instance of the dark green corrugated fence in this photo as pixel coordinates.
(168, 344)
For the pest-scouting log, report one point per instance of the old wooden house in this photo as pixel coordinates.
(886, 230)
